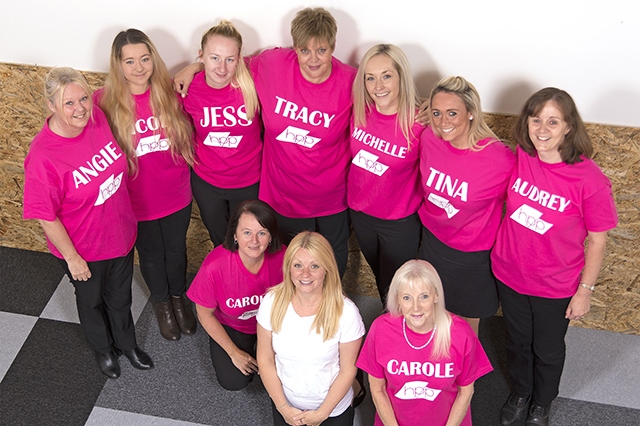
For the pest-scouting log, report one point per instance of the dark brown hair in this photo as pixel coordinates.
(265, 216)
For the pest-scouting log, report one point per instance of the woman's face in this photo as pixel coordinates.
(547, 131)
(253, 239)
(220, 58)
(383, 83)
(73, 112)
(307, 273)
(137, 67)
(417, 306)
(315, 60)
(450, 119)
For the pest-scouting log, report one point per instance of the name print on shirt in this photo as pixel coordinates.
(96, 165)
(445, 183)
(224, 117)
(544, 198)
(379, 144)
(242, 302)
(413, 368)
(292, 111)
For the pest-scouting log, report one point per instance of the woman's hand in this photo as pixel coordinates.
(184, 77)
(244, 362)
(424, 114)
(288, 413)
(78, 268)
(579, 305)
(311, 418)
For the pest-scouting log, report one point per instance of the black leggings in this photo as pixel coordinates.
(227, 373)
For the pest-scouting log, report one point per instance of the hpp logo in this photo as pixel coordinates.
(369, 162)
(531, 218)
(108, 188)
(298, 136)
(417, 390)
(222, 140)
(444, 204)
(151, 144)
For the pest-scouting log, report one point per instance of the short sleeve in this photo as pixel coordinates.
(367, 360)
(42, 189)
(202, 289)
(474, 363)
(264, 312)
(599, 209)
(351, 325)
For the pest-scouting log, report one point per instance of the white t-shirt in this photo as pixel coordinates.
(306, 365)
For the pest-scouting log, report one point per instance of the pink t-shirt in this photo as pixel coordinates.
(420, 387)
(82, 181)
(464, 191)
(550, 208)
(161, 185)
(228, 146)
(223, 283)
(384, 173)
(306, 141)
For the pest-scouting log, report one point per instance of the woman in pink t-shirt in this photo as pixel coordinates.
(558, 198)
(422, 361)
(229, 288)
(148, 122)
(383, 189)
(465, 170)
(305, 98)
(75, 185)
(223, 107)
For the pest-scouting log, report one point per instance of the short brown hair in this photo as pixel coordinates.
(313, 23)
(576, 142)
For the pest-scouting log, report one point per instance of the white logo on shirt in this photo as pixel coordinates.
(248, 314)
(417, 390)
(108, 188)
(298, 136)
(444, 204)
(447, 185)
(151, 144)
(531, 218)
(369, 162)
(222, 140)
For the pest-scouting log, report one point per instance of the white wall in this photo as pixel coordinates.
(507, 48)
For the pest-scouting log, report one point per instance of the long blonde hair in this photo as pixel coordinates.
(119, 106)
(242, 77)
(478, 128)
(327, 319)
(408, 101)
(421, 274)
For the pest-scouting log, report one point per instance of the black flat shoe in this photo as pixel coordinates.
(538, 415)
(514, 410)
(108, 364)
(139, 358)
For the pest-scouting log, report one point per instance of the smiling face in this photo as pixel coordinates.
(450, 119)
(383, 83)
(220, 58)
(253, 239)
(307, 273)
(137, 67)
(315, 60)
(547, 131)
(417, 306)
(72, 113)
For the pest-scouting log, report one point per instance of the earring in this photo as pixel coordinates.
(269, 242)
(471, 117)
(235, 241)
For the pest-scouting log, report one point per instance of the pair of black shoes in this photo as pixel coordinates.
(110, 367)
(514, 410)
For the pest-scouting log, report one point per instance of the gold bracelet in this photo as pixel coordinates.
(588, 287)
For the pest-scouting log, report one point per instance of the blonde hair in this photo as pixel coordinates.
(313, 23)
(478, 128)
(327, 319)
(119, 106)
(408, 101)
(241, 77)
(421, 274)
(57, 80)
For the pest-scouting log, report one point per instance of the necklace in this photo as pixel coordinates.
(404, 331)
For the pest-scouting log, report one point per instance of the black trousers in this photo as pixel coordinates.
(104, 304)
(344, 419)
(535, 345)
(162, 247)
(335, 228)
(227, 373)
(386, 244)
(216, 204)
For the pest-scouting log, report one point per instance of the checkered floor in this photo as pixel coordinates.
(48, 376)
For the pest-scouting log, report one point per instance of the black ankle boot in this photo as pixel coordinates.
(184, 314)
(514, 410)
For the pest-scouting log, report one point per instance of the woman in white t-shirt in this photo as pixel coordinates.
(309, 335)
